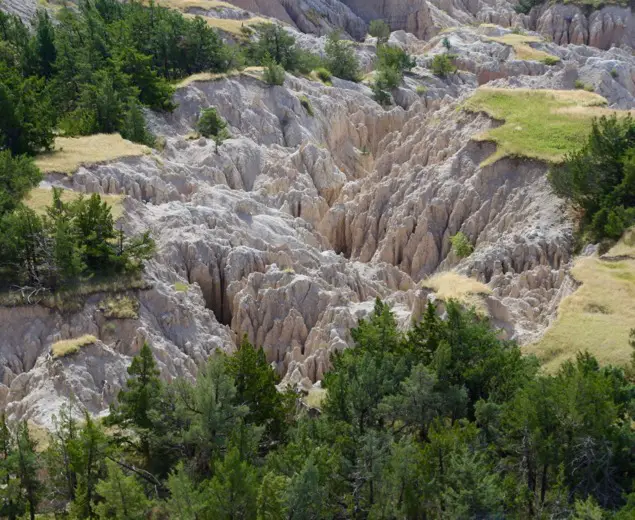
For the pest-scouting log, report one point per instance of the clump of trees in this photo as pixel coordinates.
(340, 58)
(380, 30)
(392, 62)
(442, 65)
(444, 420)
(71, 242)
(599, 179)
(93, 68)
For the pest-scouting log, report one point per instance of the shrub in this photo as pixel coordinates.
(446, 43)
(380, 95)
(443, 65)
(551, 60)
(394, 58)
(324, 75)
(18, 175)
(580, 85)
(122, 307)
(134, 127)
(273, 74)
(380, 30)
(341, 59)
(461, 245)
(210, 123)
(67, 347)
(599, 179)
(306, 104)
(614, 73)
(421, 90)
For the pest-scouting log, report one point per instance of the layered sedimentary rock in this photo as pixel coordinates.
(306, 215)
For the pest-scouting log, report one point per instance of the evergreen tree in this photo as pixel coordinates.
(122, 497)
(134, 127)
(26, 467)
(272, 503)
(186, 500)
(45, 44)
(340, 58)
(232, 492)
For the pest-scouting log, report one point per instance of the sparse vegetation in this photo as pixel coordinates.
(598, 316)
(69, 153)
(306, 104)
(69, 347)
(421, 90)
(340, 59)
(443, 65)
(273, 74)
(461, 245)
(181, 287)
(120, 307)
(520, 43)
(379, 29)
(540, 124)
(449, 285)
(614, 73)
(324, 75)
(581, 85)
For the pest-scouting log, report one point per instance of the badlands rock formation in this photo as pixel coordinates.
(290, 232)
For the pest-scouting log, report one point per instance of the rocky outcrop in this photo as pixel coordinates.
(304, 217)
(610, 26)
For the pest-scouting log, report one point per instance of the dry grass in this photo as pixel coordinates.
(120, 307)
(535, 123)
(69, 153)
(598, 316)
(73, 299)
(450, 285)
(181, 287)
(315, 397)
(184, 5)
(210, 76)
(68, 347)
(523, 51)
(39, 199)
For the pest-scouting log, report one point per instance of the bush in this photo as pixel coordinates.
(580, 85)
(461, 245)
(273, 74)
(394, 58)
(341, 59)
(442, 65)
(599, 179)
(134, 127)
(614, 73)
(551, 60)
(446, 43)
(324, 75)
(210, 123)
(380, 30)
(421, 90)
(18, 175)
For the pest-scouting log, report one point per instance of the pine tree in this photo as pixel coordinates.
(27, 467)
(232, 493)
(134, 126)
(186, 499)
(45, 43)
(122, 496)
(11, 504)
(272, 503)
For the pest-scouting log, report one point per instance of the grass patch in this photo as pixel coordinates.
(39, 198)
(69, 153)
(120, 307)
(211, 76)
(306, 104)
(184, 5)
(523, 51)
(450, 285)
(598, 316)
(181, 287)
(315, 398)
(232, 26)
(72, 299)
(538, 124)
(68, 347)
